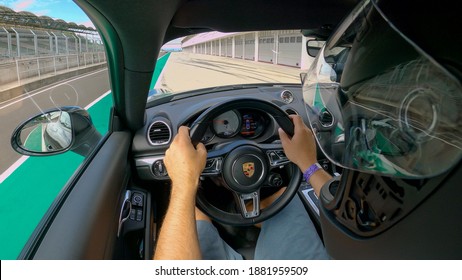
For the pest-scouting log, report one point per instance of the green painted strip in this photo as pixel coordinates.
(34, 140)
(27, 193)
(100, 113)
(159, 67)
(317, 102)
(26, 196)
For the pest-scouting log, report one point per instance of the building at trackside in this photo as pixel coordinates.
(282, 47)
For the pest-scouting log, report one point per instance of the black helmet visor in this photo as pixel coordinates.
(377, 103)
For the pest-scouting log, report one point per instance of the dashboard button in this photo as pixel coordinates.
(137, 199)
(139, 215)
(132, 214)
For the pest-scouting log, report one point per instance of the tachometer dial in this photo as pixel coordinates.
(227, 124)
(253, 124)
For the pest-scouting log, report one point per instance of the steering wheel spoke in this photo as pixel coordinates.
(249, 204)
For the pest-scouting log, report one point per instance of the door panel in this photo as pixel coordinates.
(86, 225)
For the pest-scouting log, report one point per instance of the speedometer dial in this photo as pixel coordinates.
(227, 124)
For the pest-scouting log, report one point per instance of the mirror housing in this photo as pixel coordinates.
(313, 46)
(56, 131)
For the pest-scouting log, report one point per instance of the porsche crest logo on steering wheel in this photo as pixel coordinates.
(249, 169)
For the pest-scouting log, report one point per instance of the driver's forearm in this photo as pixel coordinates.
(178, 234)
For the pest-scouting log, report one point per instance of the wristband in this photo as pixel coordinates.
(310, 171)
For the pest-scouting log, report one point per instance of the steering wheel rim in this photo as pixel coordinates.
(240, 153)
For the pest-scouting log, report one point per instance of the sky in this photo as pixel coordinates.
(172, 45)
(66, 10)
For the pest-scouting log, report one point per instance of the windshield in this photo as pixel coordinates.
(216, 59)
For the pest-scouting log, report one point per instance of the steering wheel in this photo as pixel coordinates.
(245, 165)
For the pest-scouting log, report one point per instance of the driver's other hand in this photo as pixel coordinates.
(183, 161)
(301, 148)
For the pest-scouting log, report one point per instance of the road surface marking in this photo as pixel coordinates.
(13, 168)
(97, 100)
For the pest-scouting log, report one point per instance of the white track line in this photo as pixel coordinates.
(12, 168)
(97, 100)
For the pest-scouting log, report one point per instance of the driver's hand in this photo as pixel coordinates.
(185, 163)
(301, 149)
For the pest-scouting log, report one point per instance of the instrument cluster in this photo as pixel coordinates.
(244, 123)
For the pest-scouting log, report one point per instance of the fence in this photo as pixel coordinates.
(18, 42)
(27, 55)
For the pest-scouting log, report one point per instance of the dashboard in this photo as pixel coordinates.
(250, 124)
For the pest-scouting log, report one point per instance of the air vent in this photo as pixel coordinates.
(326, 118)
(159, 133)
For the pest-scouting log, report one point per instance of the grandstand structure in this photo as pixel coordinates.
(33, 47)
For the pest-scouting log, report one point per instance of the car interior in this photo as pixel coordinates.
(114, 206)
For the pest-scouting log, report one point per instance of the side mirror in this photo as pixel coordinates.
(313, 46)
(55, 132)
